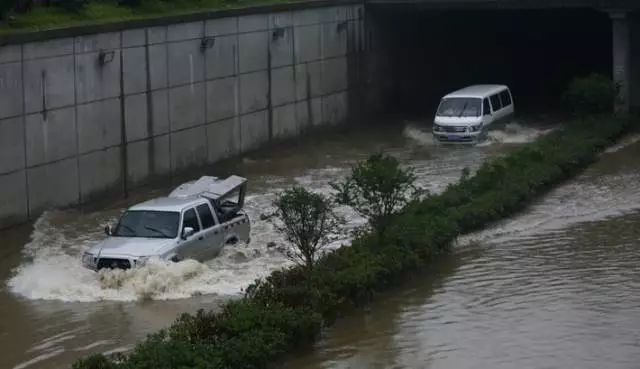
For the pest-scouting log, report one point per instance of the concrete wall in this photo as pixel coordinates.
(73, 128)
(634, 52)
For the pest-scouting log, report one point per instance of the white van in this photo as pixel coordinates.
(465, 115)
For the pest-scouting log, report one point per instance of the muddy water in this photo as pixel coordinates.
(555, 287)
(54, 311)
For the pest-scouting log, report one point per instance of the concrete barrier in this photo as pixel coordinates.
(88, 114)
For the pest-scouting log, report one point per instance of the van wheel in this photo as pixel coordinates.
(175, 259)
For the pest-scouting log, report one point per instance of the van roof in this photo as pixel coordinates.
(480, 91)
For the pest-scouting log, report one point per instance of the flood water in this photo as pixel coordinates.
(550, 288)
(555, 287)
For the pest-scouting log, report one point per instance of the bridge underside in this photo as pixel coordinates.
(432, 51)
(507, 4)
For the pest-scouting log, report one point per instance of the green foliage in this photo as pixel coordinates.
(288, 308)
(70, 5)
(95, 362)
(28, 16)
(306, 222)
(377, 188)
(593, 94)
(130, 3)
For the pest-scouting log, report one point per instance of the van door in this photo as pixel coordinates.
(487, 115)
(496, 106)
(212, 232)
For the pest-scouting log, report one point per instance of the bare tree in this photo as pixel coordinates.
(306, 221)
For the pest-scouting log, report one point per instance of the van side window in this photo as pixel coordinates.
(205, 216)
(486, 108)
(505, 97)
(495, 102)
(191, 220)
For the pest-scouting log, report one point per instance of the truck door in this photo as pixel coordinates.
(211, 232)
(188, 248)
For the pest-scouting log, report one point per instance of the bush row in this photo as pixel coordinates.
(76, 6)
(288, 309)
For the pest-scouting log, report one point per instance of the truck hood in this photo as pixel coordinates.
(132, 246)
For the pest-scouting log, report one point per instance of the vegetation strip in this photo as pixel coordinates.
(288, 309)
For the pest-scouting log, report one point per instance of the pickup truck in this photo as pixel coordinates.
(195, 221)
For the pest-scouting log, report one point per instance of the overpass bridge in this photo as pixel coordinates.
(513, 4)
(624, 16)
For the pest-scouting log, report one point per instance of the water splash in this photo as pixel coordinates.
(419, 134)
(516, 133)
(52, 268)
(511, 133)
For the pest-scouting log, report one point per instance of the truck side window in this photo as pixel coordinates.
(486, 108)
(191, 220)
(205, 216)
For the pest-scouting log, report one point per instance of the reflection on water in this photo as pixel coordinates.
(54, 310)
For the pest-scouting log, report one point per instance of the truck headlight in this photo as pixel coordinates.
(436, 128)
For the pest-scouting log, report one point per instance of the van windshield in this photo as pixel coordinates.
(460, 107)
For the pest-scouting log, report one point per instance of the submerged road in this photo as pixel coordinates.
(555, 287)
(510, 295)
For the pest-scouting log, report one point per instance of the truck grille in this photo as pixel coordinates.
(113, 263)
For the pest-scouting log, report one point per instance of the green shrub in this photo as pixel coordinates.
(70, 5)
(288, 308)
(593, 94)
(95, 362)
(377, 188)
(130, 3)
(306, 221)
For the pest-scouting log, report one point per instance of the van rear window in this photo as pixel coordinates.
(460, 107)
(505, 98)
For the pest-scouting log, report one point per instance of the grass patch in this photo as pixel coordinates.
(46, 18)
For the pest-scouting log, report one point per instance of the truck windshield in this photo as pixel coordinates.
(150, 224)
(460, 107)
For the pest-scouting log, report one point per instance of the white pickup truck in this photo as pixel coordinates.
(195, 221)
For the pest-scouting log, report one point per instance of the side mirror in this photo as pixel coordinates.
(187, 232)
(108, 230)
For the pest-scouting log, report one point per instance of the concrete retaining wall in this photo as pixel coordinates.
(634, 41)
(85, 115)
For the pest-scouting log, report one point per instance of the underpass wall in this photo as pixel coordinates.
(634, 44)
(90, 114)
